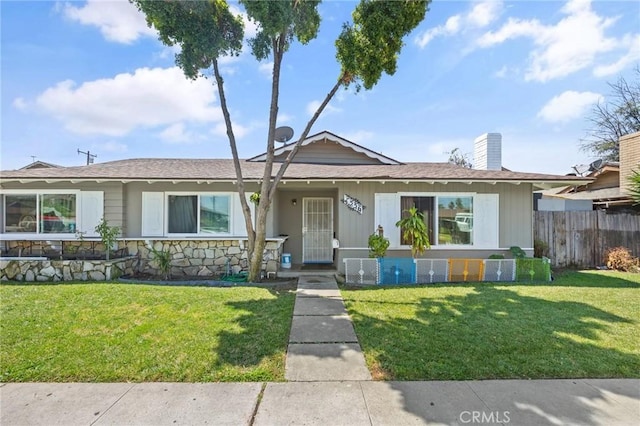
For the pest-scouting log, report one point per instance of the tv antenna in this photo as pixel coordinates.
(580, 169)
(283, 134)
(89, 155)
(33, 158)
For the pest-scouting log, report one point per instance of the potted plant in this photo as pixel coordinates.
(378, 244)
(415, 231)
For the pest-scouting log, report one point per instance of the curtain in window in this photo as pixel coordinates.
(183, 214)
(424, 205)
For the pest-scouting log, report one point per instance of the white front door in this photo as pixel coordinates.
(317, 230)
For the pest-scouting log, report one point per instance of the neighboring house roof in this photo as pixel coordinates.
(604, 189)
(342, 156)
(39, 165)
(595, 195)
(206, 170)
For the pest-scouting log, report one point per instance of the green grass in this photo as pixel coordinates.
(123, 332)
(583, 324)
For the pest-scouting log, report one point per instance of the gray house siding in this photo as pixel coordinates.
(134, 192)
(328, 153)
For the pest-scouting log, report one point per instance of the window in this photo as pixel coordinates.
(451, 221)
(455, 220)
(194, 214)
(425, 206)
(40, 213)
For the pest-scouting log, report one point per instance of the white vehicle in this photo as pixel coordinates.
(464, 221)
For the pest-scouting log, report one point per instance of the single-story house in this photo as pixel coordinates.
(332, 197)
(607, 189)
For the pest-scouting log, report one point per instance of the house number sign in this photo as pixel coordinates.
(353, 204)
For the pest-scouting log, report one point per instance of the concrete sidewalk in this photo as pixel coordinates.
(516, 402)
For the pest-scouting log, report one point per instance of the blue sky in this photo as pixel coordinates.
(92, 76)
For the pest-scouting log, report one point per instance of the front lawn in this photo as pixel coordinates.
(123, 332)
(583, 324)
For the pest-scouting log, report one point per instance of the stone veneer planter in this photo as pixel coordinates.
(189, 258)
(45, 270)
(202, 258)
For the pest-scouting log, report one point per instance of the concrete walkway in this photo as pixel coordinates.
(507, 402)
(323, 345)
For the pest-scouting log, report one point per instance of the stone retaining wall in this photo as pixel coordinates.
(44, 270)
(193, 258)
(189, 258)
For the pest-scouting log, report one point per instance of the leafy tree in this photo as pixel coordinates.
(610, 120)
(457, 157)
(206, 31)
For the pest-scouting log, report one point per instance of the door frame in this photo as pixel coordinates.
(329, 247)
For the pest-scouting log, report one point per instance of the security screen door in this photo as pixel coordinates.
(317, 230)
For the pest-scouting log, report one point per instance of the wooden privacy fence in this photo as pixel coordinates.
(581, 239)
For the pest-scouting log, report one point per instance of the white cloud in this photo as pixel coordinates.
(312, 107)
(479, 16)
(284, 118)
(359, 136)
(632, 56)
(176, 133)
(111, 146)
(568, 106)
(20, 104)
(239, 131)
(266, 69)
(118, 20)
(148, 98)
(568, 46)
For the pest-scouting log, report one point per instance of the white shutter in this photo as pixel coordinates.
(387, 213)
(91, 212)
(485, 220)
(153, 214)
(239, 229)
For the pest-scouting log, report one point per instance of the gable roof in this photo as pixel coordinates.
(222, 170)
(39, 165)
(346, 145)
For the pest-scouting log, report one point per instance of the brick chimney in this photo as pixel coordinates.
(487, 152)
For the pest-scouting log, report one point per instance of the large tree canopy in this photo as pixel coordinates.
(617, 116)
(207, 30)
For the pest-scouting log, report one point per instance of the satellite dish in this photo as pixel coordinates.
(595, 165)
(581, 169)
(283, 134)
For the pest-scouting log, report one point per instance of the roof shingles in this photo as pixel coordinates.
(223, 170)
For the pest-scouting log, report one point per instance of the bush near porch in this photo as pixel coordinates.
(583, 324)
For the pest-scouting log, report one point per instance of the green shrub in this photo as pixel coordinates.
(378, 245)
(540, 249)
(162, 258)
(517, 252)
(108, 235)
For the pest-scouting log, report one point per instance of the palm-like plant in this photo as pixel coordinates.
(634, 189)
(415, 231)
